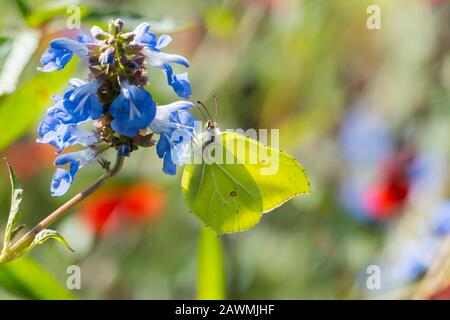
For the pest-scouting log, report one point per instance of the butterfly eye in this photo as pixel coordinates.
(212, 124)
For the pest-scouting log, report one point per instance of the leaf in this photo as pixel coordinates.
(232, 197)
(43, 236)
(16, 199)
(19, 53)
(19, 110)
(5, 49)
(210, 270)
(26, 278)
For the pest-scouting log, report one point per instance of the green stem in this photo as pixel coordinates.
(13, 251)
(210, 267)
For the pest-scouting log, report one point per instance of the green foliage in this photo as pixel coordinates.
(210, 270)
(231, 197)
(220, 22)
(16, 199)
(12, 228)
(5, 48)
(16, 56)
(50, 11)
(27, 279)
(43, 236)
(19, 110)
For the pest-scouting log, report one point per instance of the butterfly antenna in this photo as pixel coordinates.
(201, 111)
(216, 105)
(206, 109)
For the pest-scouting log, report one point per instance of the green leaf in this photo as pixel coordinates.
(232, 197)
(19, 110)
(43, 236)
(19, 54)
(26, 278)
(5, 49)
(210, 268)
(16, 199)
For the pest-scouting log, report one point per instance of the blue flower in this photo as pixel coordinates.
(179, 82)
(363, 127)
(133, 110)
(80, 103)
(99, 34)
(175, 125)
(60, 182)
(62, 179)
(60, 135)
(84, 38)
(61, 52)
(441, 220)
(156, 58)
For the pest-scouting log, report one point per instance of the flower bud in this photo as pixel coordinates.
(107, 57)
(99, 34)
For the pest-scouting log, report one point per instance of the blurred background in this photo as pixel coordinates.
(367, 113)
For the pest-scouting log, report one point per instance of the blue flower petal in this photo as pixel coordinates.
(186, 118)
(175, 126)
(73, 46)
(169, 167)
(162, 146)
(60, 53)
(144, 36)
(441, 220)
(55, 59)
(163, 41)
(53, 131)
(133, 110)
(81, 103)
(164, 121)
(181, 85)
(60, 183)
(156, 58)
(76, 160)
(83, 38)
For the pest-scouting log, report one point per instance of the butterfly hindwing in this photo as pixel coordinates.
(224, 196)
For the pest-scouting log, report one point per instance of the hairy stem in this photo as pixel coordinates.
(12, 252)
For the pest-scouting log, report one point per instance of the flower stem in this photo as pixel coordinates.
(211, 282)
(14, 250)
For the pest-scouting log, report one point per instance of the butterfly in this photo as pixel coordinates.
(238, 180)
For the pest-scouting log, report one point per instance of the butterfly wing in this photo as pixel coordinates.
(224, 196)
(278, 175)
(232, 194)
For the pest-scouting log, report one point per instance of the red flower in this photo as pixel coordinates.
(113, 207)
(385, 197)
(20, 153)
